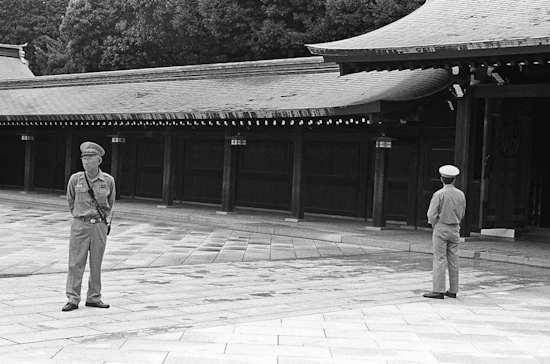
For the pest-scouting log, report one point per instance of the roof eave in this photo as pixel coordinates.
(171, 116)
(176, 117)
(436, 56)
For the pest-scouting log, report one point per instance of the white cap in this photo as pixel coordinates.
(449, 171)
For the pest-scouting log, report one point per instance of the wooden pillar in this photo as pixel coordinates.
(363, 178)
(69, 154)
(297, 208)
(116, 167)
(487, 125)
(464, 153)
(29, 163)
(383, 145)
(168, 172)
(132, 150)
(230, 160)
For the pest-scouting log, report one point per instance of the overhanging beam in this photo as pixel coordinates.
(510, 91)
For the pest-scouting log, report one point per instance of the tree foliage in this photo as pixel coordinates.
(35, 22)
(68, 36)
(142, 36)
(85, 28)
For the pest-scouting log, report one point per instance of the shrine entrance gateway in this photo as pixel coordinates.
(517, 164)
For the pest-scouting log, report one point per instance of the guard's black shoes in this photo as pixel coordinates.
(434, 295)
(69, 306)
(449, 294)
(97, 304)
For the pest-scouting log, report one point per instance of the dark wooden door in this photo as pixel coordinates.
(149, 167)
(200, 169)
(334, 178)
(539, 197)
(50, 163)
(264, 177)
(12, 159)
(508, 167)
(402, 179)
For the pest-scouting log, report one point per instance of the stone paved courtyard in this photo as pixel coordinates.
(188, 292)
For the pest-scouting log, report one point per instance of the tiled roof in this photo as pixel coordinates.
(12, 64)
(300, 87)
(452, 28)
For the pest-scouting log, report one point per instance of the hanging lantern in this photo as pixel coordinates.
(383, 142)
(27, 137)
(238, 140)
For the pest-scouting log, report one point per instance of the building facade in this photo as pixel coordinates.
(358, 130)
(498, 53)
(175, 134)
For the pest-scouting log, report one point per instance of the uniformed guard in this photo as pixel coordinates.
(91, 195)
(446, 211)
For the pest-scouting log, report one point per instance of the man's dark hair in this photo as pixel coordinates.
(447, 180)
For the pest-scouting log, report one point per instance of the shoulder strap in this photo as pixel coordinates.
(92, 194)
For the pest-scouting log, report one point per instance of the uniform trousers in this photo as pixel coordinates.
(85, 238)
(445, 240)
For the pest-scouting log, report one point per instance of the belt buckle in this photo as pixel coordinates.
(93, 221)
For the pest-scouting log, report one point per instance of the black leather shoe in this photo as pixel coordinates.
(97, 304)
(434, 295)
(449, 294)
(69, 306)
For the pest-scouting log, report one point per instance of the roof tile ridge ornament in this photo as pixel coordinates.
(273, 67)
(22, 54)
(13, 51)
(19, 48)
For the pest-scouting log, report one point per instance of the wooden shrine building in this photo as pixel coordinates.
(290, 135)
(498, 53)
(358, 130)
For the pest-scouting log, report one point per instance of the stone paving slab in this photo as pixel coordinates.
(36, 239)
(198, 292)
(314, 227)
(313, 303)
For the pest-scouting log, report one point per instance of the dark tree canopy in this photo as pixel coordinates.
(67, 36)
(35, 22)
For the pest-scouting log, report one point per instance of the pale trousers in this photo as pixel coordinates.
(85, 237)
(445, 248)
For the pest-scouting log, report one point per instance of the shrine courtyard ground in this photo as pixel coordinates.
(189, 285)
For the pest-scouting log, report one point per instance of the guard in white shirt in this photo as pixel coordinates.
(446, 211)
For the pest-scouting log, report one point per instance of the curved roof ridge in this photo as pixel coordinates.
(212, 70)
(450, 23)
